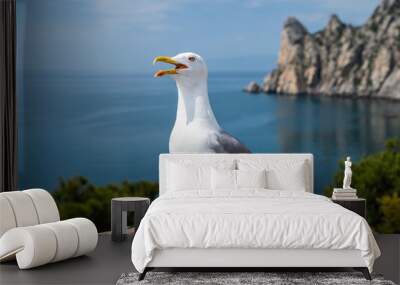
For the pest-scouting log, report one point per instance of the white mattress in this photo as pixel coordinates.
(251, 219)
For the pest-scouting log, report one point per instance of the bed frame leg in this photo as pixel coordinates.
(364, 271)
(143, 274)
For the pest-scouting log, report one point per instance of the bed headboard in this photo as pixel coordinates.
(166, 157)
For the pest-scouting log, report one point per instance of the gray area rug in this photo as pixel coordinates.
(228, 278)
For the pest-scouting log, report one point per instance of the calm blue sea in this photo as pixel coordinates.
(111, 128)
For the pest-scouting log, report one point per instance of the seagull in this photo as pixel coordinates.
(196, 129)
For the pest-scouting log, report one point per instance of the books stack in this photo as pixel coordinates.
(344, 194)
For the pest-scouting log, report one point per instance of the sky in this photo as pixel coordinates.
(123, 36)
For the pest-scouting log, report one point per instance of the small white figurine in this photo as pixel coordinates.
(347, 174)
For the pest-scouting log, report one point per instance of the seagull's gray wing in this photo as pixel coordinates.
(225, 143)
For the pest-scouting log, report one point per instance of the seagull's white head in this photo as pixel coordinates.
(189, 67)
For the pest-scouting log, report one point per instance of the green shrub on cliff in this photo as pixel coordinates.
(78, 197)
(390, 208)
(377, 178)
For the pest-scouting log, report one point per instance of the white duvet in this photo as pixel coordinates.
(250, 219)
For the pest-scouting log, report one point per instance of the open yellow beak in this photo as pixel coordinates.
(169, 60)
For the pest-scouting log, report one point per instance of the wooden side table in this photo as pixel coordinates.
(119, 209)
(358, 205)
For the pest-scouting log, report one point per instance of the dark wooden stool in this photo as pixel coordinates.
(119, 209)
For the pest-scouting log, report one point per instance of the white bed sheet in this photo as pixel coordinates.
(250, 219)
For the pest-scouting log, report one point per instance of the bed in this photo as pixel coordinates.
(246, 211)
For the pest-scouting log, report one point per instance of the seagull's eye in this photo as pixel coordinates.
(191, 58)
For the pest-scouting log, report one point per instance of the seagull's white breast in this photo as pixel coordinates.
(195, 137)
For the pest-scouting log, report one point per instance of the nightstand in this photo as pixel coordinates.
(119, 209)
(358, 205)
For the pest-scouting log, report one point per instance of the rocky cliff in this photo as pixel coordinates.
(341, 59)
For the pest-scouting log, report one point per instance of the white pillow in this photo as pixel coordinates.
(227, 179)
(281, 174)
(193, 175)
(251, 178)
(223, 179)
(181, 178)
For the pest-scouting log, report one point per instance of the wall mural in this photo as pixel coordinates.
(93, 118)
